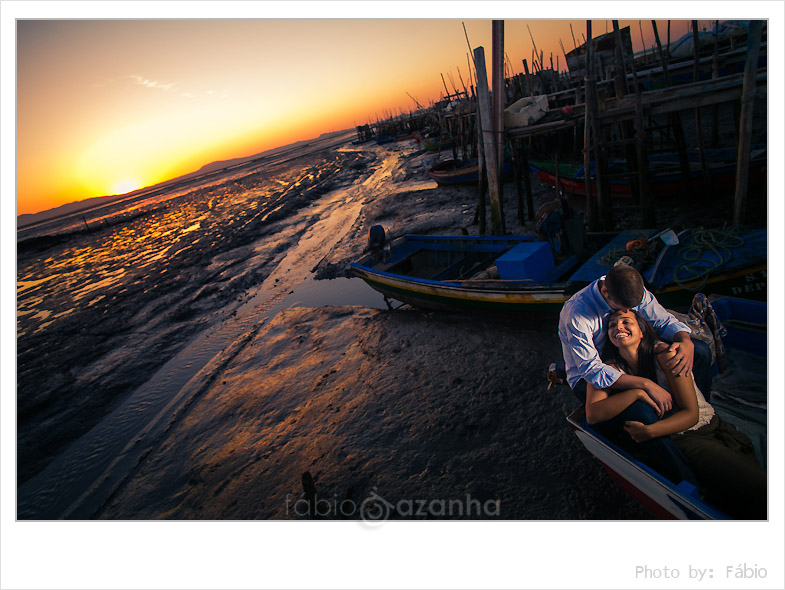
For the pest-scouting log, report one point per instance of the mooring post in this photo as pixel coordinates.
(698, 121)
(745, 120)
(309, 487)
(489, 149)
(588, 138)
(678, 129)
(499, 97)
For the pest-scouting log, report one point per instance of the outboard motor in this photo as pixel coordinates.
(377, 240)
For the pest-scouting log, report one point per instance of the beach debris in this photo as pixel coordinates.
(309, 488)
(555, 375)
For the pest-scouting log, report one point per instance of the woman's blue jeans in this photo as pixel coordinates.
(660, 453)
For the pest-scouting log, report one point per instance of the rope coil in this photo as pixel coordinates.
(693, 251)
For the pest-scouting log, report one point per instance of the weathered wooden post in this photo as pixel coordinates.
(309, 487)
(745, 120)
(698, 122)
(678, 129)
(528, 183)
(620, 85)
(598, 210)
(715, 73)
(480, 216)
(648, 218)
(529, 83)
(515, 148)
(591, 208)
(499, 96)
(489, 148)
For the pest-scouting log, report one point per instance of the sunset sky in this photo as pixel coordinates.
(108, 106)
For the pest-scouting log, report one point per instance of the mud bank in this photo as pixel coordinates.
(407, 405)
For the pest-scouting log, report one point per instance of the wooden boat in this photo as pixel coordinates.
(453, 172)
(404, 136)
(434, 144)
(456, 272)
(665, 175)
(745, 321)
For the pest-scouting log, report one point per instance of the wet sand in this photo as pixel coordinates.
(408, 405)
(415, 408)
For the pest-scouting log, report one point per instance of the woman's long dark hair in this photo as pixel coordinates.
(647, 361)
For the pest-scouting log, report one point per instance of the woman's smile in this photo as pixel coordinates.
(623, 328)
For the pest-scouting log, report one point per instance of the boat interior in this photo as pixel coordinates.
(458, 259)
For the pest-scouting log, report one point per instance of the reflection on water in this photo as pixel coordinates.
(339, 291)
(99, 311)
(124, 255)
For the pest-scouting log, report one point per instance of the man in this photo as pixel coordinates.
(583, 333)
(583, 327)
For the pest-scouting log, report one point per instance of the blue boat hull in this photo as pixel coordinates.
(441, 272)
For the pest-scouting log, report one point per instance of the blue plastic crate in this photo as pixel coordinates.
(526, 261)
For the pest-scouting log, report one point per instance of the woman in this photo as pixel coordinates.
(721, 457)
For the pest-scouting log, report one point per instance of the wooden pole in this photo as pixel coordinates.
(668, 50)
(499, 98)
(604, 216)
(678, 129)
(745, 120)
(486, 124)
(698, 122)
(527, 180)
(591, 207)
(626, 127)
(715, 73)
(528, 78)
(533, 43)
(648, 218)
(643, 42)
(480, 216)
(516, 169)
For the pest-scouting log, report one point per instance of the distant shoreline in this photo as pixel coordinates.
(28, 220)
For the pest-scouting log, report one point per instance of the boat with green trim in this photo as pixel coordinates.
(523, 274)
(433, 144)
(455, 172)
(665, 176)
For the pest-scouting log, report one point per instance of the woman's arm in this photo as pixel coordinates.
(601, 407)
(662, 399)
(686, 415)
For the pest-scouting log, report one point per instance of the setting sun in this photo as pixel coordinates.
(125, 186)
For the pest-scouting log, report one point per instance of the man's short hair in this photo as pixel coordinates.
(625, 285)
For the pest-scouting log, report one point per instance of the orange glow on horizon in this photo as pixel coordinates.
(126, 186)
(107, 105)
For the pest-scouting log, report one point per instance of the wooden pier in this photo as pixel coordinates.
(611, 106)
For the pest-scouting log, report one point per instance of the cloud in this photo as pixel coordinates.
(147, 83)
(169, 86)
(208, 93)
